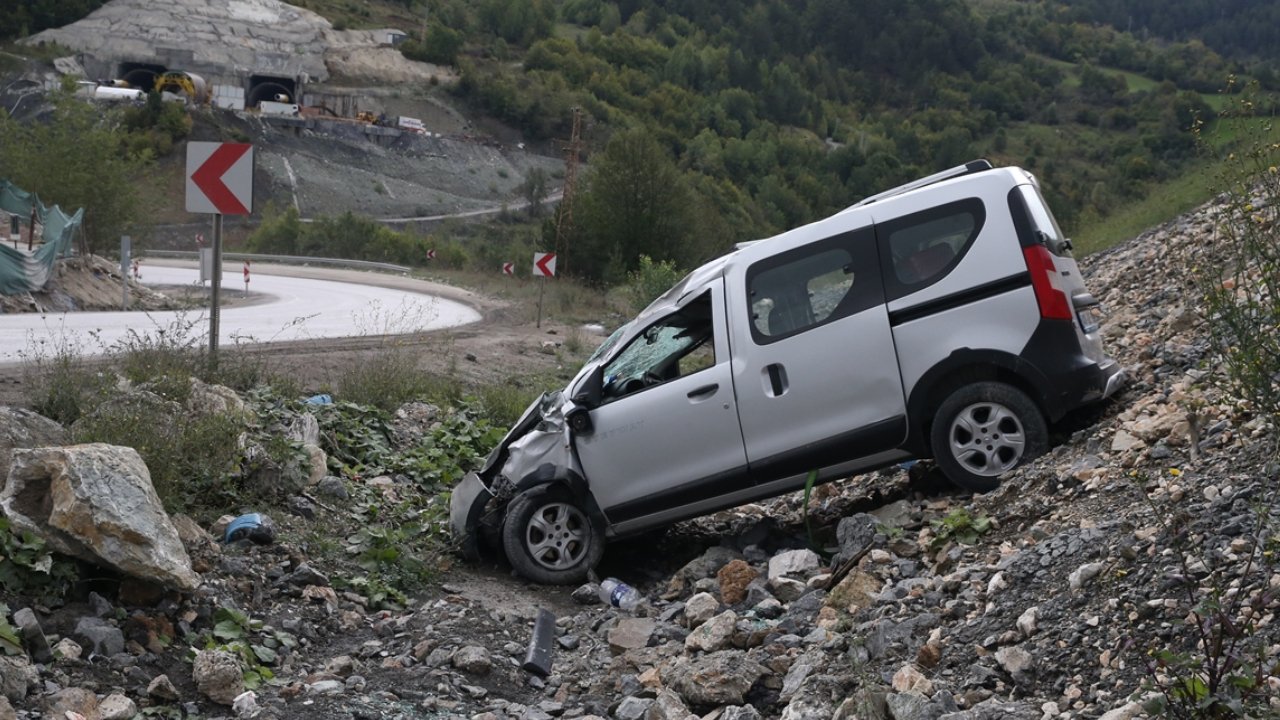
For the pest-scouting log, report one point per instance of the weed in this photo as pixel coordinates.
(960, 526)
(1221, 668)
(10, 643)
(256, 644)
(27, 566)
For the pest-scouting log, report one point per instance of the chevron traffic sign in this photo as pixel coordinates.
(220, 178)
(544, 264)
(431, 254)
(508, 268)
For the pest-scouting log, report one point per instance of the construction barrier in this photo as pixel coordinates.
(23, 270)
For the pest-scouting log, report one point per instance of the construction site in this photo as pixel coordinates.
(341, 120)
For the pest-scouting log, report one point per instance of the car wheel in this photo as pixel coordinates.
(550, 538)
(984, 430)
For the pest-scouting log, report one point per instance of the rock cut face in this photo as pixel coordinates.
(96, 502)
(257, 36)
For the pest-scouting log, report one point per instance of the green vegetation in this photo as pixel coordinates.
(27, 566)
(1240, 278)
(91, 157)
(962, 527)
(19, 19)
(257, 645)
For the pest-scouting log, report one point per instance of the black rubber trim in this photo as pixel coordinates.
(959, 299)
(724, 483)
(868, 440)
(878, 437)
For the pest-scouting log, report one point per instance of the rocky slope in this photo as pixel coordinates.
(1048, 598)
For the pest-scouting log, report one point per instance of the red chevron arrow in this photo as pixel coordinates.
(208, 177)
(545, 265)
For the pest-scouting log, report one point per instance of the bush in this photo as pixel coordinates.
(190, 456)
(1241, 286)
(650, 281)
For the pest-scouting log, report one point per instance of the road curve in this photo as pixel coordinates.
(296, 308)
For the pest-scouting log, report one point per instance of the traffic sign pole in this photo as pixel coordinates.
(215, 285)
(126, 246)
(542, 286)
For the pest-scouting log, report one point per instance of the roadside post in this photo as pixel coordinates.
(544, 266)
(219, 182)
(246, 278)
(126, 246)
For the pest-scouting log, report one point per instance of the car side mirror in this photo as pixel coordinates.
(580, 421)
(591, 390)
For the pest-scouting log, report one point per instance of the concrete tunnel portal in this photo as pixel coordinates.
(141, 75)
(270, 88)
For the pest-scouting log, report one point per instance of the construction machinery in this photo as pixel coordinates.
(183, 83)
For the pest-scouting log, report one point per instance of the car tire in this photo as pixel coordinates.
(550, 538)
(984, 430)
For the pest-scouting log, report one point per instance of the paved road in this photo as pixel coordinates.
(296, 309)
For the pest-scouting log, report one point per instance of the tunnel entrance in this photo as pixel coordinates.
(141, 75)
(271, 89)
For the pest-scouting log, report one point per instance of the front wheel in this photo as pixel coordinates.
(550, 538)
(984, 430)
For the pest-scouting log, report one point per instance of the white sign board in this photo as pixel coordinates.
(544, 264)
(220, 178)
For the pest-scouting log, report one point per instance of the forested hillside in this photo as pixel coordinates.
(1237, 28)
(777, 112)
(741, 118)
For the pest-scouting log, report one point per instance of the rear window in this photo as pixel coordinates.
(1035, 222)
(923, 247)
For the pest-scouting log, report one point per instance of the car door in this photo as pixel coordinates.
(666, 433)
(817, 375)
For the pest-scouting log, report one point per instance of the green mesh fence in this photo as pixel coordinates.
(27, 271)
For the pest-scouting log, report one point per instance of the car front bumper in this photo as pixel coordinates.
(466, 507)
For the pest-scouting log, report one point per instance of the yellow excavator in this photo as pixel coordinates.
(184, 83)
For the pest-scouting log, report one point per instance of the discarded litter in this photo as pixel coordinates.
(538, 660)
(321, 399)
(619, 594)
(255, 527)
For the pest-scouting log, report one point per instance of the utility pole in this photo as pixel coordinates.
(564, 218)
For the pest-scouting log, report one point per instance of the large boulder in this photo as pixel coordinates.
(96, 502)
(25, 429)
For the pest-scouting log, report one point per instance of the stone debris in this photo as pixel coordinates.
(1048, 614)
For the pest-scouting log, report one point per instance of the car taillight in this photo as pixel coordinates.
(1053, 302)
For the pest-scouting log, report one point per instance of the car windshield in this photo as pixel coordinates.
(607, 346)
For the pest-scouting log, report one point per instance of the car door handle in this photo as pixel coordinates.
(703, 392)
(777, 377)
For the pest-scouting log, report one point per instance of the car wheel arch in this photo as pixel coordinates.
(961, 368)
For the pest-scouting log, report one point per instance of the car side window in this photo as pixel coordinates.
(812, 285)
(677, 345)
(923, 247)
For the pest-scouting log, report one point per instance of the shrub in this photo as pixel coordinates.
(650, 281)
(1241, 284)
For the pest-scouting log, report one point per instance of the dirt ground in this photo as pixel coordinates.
(502, 346)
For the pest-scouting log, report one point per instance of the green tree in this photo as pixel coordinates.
(635, 202)
(76, 160)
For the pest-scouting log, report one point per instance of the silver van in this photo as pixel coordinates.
(943, 319)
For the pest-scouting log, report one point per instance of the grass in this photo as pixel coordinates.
(1166, 200)
(1135, 82)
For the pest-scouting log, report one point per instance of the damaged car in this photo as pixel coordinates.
(943, 319)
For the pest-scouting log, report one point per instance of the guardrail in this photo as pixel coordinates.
(285, 259)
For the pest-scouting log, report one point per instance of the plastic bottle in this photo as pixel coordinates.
(619, 594)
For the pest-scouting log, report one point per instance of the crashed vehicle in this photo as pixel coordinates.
(943, 319)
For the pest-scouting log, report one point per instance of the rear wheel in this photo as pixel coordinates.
(550, 538)
(984, 430)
